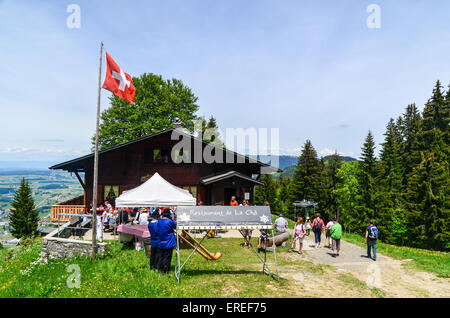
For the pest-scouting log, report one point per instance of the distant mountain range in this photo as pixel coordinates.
(286, 161)
(25, 165)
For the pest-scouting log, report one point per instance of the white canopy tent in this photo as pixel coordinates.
(156, 191)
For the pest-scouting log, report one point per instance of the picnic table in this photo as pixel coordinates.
(128, 231)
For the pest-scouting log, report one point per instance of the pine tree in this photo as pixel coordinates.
(446, 115)
(283, 193)
(347, 194)
(332, 166)
(267, 192)
(24, 217)
(428, 204)
(366, 178)
(389, 182)
(211, 132)
(307, 181)
(410, 149)
(434, 118)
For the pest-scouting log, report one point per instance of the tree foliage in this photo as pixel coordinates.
(157, 103)
(24, 217)
(308, 180)
(406, 190)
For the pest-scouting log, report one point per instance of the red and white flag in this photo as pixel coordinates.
(117, 81)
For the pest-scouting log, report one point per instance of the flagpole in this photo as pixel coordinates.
(95, 184)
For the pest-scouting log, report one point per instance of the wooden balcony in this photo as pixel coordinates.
(72, 206)
(65, 209)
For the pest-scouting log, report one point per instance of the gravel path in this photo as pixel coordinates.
(387, 274)
(351, 257)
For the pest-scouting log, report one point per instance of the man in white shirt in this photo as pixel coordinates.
(143, 217)
(281, 224)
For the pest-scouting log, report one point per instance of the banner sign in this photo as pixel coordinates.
(223, 217)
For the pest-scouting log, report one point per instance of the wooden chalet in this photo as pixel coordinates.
(127, 165)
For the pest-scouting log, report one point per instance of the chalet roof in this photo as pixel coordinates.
(77, 163)
(226, 175)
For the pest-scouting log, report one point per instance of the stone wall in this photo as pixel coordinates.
(56, 245)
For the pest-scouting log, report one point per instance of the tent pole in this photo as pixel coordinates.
(264, 263)
(177, 265)
(274, 246)
(193, 251)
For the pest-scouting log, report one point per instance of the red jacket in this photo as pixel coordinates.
(315, 222)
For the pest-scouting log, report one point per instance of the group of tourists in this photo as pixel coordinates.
(108, 217)
(333, 234)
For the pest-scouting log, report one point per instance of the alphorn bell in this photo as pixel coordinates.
(201, 249)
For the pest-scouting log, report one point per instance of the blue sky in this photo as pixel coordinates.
(313, 69)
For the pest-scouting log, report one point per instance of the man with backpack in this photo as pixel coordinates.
(317, 226)
(371, 240)
(336, 235)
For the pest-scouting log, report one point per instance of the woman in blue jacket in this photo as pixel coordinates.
(154, 240)
(167, 241)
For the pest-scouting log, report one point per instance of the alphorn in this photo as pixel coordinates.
(201, 249)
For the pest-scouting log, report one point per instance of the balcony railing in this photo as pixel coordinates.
(65, 209)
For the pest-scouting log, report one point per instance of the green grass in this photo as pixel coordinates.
(424, 260)
(124, 272)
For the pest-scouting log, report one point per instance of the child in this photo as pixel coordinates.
(263, 238)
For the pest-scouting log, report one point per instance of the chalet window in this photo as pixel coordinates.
(182, 156)
(110, 193)
(192, 190)
(157, 155)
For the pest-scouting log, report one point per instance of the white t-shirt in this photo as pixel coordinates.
(143, 219)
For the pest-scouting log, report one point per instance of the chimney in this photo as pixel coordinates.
(177, 123)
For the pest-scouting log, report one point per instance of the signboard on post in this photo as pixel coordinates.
(224, 217)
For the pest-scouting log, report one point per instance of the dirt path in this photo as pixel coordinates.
(386, 274)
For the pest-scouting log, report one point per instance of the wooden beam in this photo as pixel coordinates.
(80, 181)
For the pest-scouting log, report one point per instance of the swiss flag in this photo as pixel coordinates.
(117, 81)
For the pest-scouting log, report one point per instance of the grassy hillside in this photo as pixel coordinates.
(425, 260)
(124, 272)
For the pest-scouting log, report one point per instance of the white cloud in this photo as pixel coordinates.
(328, 152)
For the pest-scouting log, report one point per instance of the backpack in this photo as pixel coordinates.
(318, 227)
(373, 233)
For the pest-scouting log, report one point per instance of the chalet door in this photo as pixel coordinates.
(229, 192)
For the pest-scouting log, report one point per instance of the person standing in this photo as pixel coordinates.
(233, 201)
(317, 227)
(336, 235)
(308, 226)
(143, 217)
(299, 233)
(328, 232)
(154, 240)
(371, 240)
(167, 241)
(123, 217)
(99, 224)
